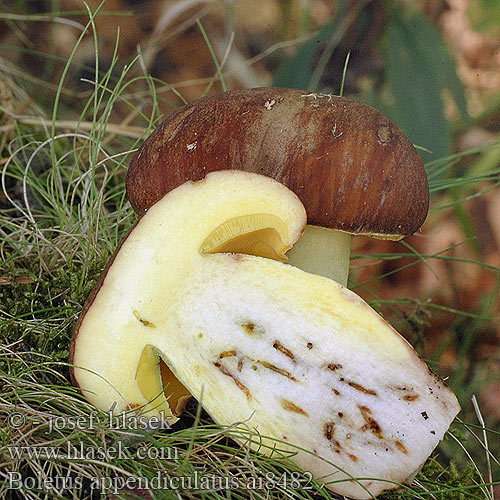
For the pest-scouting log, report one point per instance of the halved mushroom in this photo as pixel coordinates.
(300, 358)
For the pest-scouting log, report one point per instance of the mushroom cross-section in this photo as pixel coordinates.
(352, 168)
(302, 359)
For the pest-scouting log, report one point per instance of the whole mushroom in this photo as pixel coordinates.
(352, 168)
(180, 311)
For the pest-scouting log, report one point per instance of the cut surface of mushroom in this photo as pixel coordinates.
(238, 212)
(301, 358)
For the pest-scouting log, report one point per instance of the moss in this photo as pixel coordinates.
(450, 483)
(41, 314)
(442, 483)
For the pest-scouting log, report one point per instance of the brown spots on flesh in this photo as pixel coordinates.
(290, 406)
(354, 458)
(240, 386)
(249, 327)
(337, 446)
(337, 393)
(355, 385)
(143, 321)
(401, 447)
(340, 414)
(309, 345)
(240, 364)
(227, 354)
(370, 423)
(276, 369)
(373, 426)
(334, 366)
(280, 347)
(329, 430)
(364, 409)
(411, 397)
(362, 389)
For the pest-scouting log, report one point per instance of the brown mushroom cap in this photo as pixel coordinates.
(351, 167)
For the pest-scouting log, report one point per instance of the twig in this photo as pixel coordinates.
(125, 130)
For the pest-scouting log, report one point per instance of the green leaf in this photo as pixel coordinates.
(484, 16)
(419, 70)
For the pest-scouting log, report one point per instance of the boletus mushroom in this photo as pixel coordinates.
(294, 355)
(352, 168)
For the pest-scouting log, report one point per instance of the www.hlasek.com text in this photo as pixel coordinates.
(70, 451)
